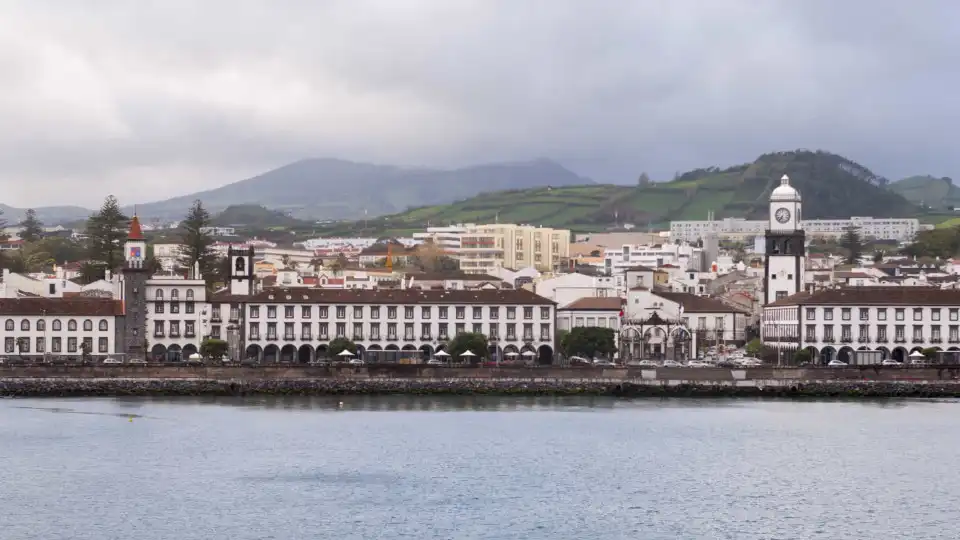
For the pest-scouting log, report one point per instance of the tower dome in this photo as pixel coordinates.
(785, 192)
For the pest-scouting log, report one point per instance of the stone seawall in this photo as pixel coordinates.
(395, 371)
(70, 387)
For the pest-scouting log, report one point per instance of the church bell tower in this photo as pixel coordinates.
(785, 244)
(241, 271)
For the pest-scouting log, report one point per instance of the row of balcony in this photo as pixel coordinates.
(174, 334)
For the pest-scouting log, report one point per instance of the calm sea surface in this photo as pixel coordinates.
(424, 469)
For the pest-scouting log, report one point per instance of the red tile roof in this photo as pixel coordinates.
(875, 296)
(136, 233)
(609, 303)
(697, 304)
(74, 306)
(388, 296)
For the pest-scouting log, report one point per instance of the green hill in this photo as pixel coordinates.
(832, 187)
(929, 191)
(252, 216)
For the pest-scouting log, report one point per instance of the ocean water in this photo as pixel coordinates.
(477, 468)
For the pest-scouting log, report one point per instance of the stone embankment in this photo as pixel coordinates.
(64, 387)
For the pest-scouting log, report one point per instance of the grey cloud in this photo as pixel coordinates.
(154, 99)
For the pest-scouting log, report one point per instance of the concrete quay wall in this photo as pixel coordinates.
(171, 380)
(393, 371)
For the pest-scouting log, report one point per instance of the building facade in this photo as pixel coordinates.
(60, 328)
(834, 323)
(899, 229)
(297, 325)
(481, 249)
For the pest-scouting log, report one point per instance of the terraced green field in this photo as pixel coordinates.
(826, 181)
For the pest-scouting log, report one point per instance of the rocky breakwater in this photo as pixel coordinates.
(65, 387)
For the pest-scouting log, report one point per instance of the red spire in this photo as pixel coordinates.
(136, 233)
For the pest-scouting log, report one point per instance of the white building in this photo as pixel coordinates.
(297, 325)
(674, 325)
(60, 328)
(834, 323)
(219, 231)
(601, 312)
(566, 288)
(177, 318)
(618, 260)
(900, 229)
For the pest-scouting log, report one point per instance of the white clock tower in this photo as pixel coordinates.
(785, 244)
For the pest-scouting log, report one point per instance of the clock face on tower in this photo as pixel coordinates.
(782, 215)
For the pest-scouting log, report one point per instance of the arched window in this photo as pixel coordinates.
(174, 294)
(189, 294)
(159, 294)
(104, 325)
(87, 325)
(9, 325)
(71, 325)
(25, 325)
(240, 265)
(57, 325)
(41, 325)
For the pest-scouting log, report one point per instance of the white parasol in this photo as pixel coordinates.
(345, 352)
(529, 353)
(441, 353)
(467, 353)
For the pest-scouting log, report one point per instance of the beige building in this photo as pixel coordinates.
(526, 245)
(482, 248)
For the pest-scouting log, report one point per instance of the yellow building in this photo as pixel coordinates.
(520, 246)
(482, 248)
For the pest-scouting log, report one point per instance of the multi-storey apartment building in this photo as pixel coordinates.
(297, 325)
(900, 229)
(834, 323)
(60, 328)
(482, 248)
(619, 260)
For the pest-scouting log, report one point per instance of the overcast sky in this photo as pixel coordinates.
(151, 99)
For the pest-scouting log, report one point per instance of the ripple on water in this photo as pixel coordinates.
(478, 468)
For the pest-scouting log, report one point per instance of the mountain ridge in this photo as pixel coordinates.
(332, 188)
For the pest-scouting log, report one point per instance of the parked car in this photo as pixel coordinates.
(837, 363)
(603, 363)
(671, 363)
(891, 363)
(355, 362)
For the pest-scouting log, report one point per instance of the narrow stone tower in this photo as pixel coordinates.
(135, 275)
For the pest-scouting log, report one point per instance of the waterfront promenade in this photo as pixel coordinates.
(179, 379)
